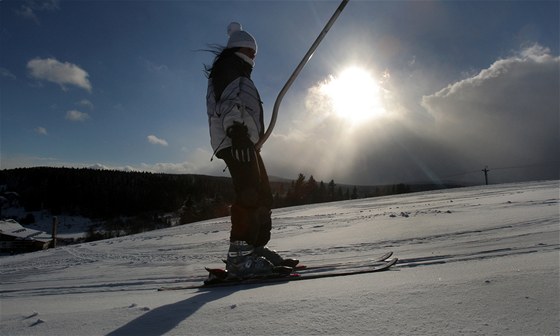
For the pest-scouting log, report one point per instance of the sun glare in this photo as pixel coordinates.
(355, 95)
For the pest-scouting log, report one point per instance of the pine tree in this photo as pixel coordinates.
(331, 191)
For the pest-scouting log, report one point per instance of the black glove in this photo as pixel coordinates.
(242, 148)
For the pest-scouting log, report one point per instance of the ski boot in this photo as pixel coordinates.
(275, 258)
(243, 263)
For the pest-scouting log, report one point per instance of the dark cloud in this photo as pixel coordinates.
(507, 115)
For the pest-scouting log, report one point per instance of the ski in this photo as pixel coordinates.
(303, 267)
(378, 267)
(312, 267)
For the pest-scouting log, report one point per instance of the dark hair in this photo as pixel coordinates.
(219, 53)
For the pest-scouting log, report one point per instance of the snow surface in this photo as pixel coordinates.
(474, 261)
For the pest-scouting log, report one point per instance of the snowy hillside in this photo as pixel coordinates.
(474, 261)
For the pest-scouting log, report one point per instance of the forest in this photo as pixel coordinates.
(130, 202)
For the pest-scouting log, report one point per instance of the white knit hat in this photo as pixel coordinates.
(240, 38)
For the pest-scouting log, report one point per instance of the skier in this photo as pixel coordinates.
(236, 123)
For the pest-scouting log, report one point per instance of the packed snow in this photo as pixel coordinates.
(473, 261)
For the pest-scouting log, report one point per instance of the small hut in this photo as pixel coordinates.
(14, 238)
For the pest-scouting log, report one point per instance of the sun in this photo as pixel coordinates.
(355, 96)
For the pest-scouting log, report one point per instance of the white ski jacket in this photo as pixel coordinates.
(238, 102)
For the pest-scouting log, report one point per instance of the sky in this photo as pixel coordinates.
(397, 92)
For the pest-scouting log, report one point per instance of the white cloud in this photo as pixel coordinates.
(52, 70)
(196, 162)
(41, 130)
(153, 67)
(169, 168)
(99, 166)
(85, 103)
(28, 13)
(10, 161)
(30, 8)
(524, 64)
(75, 115)
(156, 141)
(6, 73)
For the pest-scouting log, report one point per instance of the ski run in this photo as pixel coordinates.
(472, 261)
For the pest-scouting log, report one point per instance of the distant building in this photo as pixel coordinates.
(15, 238)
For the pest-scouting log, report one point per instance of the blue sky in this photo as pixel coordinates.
(452, 86)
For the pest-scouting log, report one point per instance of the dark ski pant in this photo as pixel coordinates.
(251, 209)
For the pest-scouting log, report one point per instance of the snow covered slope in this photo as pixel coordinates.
(475, 261)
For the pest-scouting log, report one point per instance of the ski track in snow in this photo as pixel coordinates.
(429, 232)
